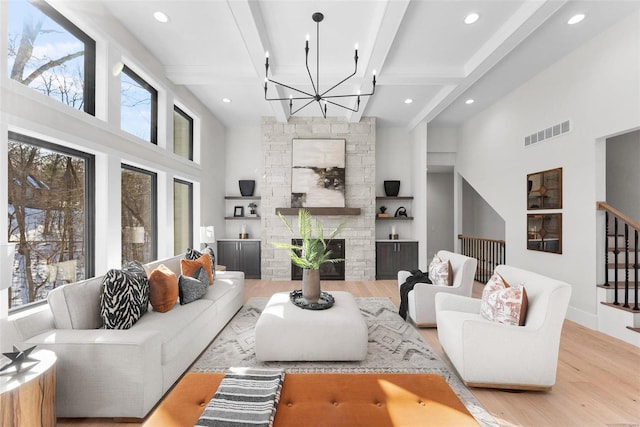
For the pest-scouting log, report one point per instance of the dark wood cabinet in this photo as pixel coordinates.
(392, 257)
(240, 255)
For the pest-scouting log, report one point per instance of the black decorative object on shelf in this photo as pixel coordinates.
(401, 211)
(305, 96)
(246, 187)
(18, 358)
(391, 188)
(325, 301)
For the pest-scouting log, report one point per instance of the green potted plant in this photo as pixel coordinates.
(311, 253)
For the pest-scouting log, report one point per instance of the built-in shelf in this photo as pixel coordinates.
(320, 211)
(394, 197)
(242, 217)
(395, 218)
(242, 197)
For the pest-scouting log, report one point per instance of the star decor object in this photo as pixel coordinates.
(18, 358)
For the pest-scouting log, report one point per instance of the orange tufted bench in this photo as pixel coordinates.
(333, 400)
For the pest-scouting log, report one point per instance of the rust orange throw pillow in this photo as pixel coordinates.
(190, 267)
(163, 289)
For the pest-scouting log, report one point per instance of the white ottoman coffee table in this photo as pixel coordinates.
(285, 332)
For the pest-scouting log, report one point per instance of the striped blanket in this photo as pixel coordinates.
(245, 397)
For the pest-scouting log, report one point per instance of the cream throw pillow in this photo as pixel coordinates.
(440, 272)
(504, 303)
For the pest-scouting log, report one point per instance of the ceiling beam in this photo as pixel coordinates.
(531, 15)
(389, 25)
(248, 19)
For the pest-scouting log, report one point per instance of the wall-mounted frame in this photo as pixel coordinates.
(544, 189)
(318, 173)
(238, 211)
(544, 232)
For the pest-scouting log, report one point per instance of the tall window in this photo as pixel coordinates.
(182, 216)
(138, 106)
(51, 55)
(182, 133)
(51, 205)
(139, 207)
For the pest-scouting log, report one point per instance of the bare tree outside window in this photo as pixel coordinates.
(49, 54)
(138, 215)
(47, 210)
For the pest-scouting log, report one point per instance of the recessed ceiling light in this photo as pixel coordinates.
(575, 19)
(471, 18)
(226, 100)
(408, 101)
(469, 101)
(161, 17)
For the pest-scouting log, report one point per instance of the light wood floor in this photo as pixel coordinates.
(598, 380)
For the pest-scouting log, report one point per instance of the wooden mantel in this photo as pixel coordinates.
(320, 211)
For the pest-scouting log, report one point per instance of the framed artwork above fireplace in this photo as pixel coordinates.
(318, 173)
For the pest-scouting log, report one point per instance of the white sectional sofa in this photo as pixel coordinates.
(121, 373)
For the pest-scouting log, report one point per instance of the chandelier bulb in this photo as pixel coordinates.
(356, 47)
(374, 72)
(307, 37)
(266, 54)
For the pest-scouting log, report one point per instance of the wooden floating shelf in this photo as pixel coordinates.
(242, 217)
(394, 197)
(242, 197)
(395, 218)
(320, 211)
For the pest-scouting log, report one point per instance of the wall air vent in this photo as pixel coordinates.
(548, 133)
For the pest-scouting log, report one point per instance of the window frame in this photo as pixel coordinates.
(153, 133)
(182, 113)
(89, 91)
(189, 184)
(90, 202)
(154, 205)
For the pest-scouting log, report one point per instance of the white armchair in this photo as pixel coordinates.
(421, 300)
(495, 355)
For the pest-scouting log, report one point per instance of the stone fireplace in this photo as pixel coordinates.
(359, 231)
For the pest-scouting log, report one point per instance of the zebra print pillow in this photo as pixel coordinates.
(125, 296)
(194, 254)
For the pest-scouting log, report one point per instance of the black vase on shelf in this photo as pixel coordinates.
(391, 188)
(246, 187)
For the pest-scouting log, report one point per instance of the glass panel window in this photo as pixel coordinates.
(182, 216)
(139, 205)
(138, 106)
(51, 55)
(182, 133)
(50, 217)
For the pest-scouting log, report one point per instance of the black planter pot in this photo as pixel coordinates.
(391, 188)
(246, 187)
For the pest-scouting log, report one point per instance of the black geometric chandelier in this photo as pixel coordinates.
(322, 98)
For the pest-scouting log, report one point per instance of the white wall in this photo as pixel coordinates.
(440, 212)
(394, 161)
(623, 174)
(479, 218)
(244, 160)
(597, 87)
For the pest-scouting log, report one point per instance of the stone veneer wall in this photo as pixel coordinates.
(359, 232)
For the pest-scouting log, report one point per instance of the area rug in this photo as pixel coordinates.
(394, 346)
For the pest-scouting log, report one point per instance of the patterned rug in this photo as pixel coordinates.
(394, 346)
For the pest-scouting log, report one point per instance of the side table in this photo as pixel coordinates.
(27, 398)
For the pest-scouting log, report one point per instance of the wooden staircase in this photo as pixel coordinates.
(619, 310)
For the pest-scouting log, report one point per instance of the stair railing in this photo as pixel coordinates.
(488, 252)
(621, 220)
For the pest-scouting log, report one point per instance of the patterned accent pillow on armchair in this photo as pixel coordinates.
(440, 272)
(504, 303)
